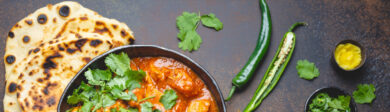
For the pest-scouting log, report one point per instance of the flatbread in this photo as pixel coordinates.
(31, 44)
(30, 33)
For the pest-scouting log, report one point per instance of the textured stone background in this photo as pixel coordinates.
(223, 53)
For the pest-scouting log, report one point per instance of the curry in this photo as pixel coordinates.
(161, 74)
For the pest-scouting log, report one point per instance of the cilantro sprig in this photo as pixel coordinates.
(187, 23)
(104, 88)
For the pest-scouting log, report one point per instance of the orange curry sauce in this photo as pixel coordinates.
(163, 74)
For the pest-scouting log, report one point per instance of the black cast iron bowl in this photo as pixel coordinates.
(144, 51)
(333, 92)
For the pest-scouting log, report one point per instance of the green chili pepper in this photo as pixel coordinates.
(261, 48)
(275, 69)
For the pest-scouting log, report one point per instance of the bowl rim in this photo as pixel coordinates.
(362, 52)
(135, 46)
(352, 102)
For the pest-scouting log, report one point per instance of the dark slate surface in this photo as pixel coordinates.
(223, 53)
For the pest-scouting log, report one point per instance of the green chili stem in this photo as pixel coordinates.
(231, 93)
(295, 25)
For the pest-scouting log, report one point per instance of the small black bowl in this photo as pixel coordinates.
(363, 54)
(143, 51)
(333, 92)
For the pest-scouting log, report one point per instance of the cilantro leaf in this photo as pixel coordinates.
(118, 63)
(118, 93)
(97, 76)
(76, 96)
(364, 93)
(107, 100)
(211, 21)
(342, 102)
(168, 99)
(146, 107)
(191, 41)
(87, 106)
(307, 70)
(186, 22)
(156, 110)
(132, 85)
(118, 83)
(129, 81)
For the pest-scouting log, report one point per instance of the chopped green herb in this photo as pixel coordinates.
(364, 93)
(307, 70)
(104, 88)
(168, 99)
(187, 23)
(146, 107)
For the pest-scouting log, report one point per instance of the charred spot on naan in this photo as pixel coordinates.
(36, 50)
(80, 43)
(12, 87)
(20, 76)
(10, 59)
(64, 27)
(95, 42)
(17, 26)
(114, 26)
(60, 47)
(48, 87)
(84, 18)
(124, 33)
(26, 39)
(11, 34)
(28, 21)
(86, 59)
(101, 28)
(64, 11)
(54, 20)
(49, 63)
(42, 19)
(70, 50)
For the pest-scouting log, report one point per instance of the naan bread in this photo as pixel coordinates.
(68, 39)
(31, 33)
